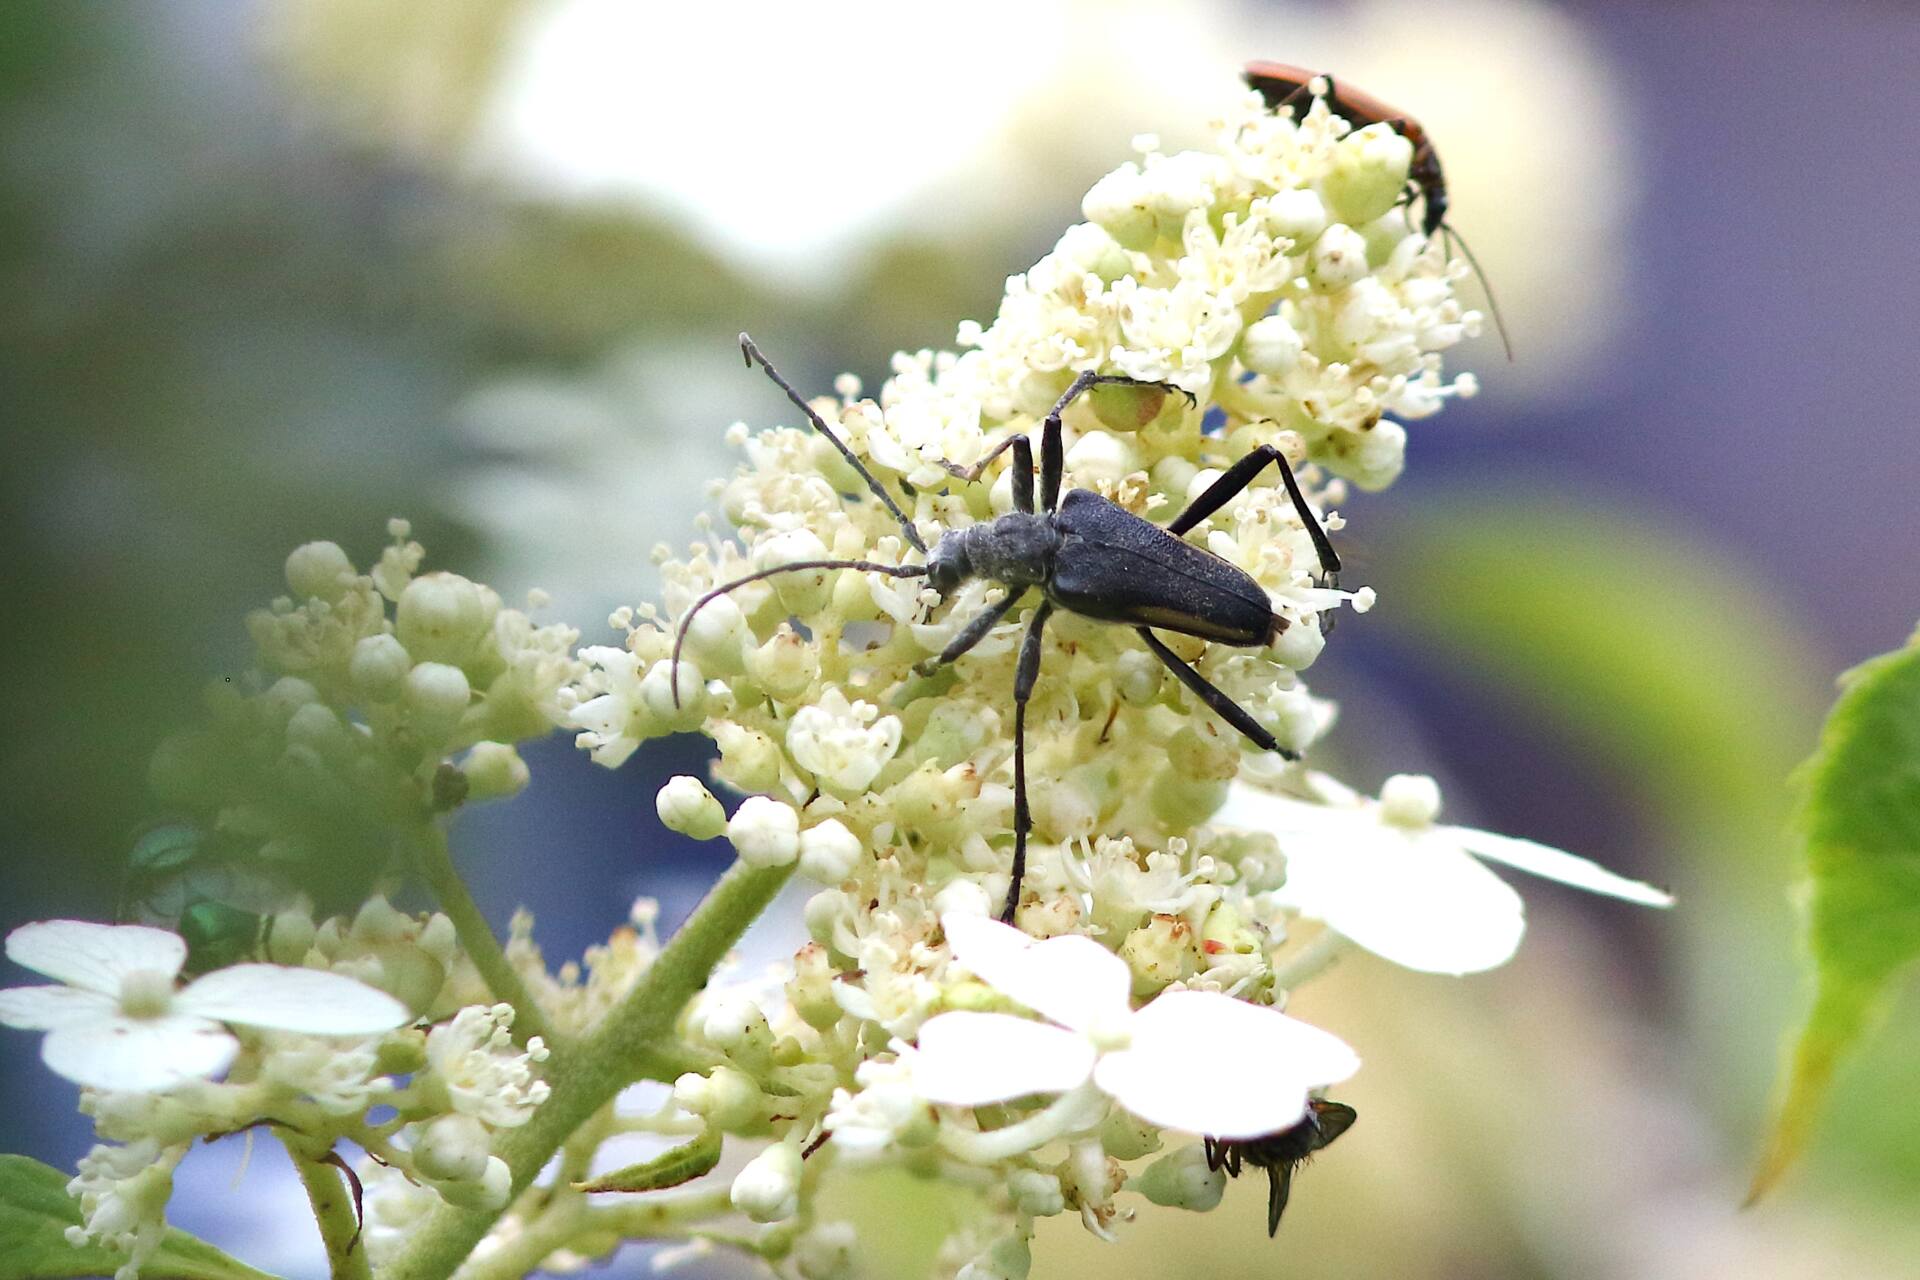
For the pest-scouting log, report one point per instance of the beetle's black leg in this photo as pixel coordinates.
(1223, 706)
(1023, 681)
(1238, 477)
(972, 634)
(1022, 475)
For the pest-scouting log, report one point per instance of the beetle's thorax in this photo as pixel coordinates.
(1015, 549)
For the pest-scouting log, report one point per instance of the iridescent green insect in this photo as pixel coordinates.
(205, 888)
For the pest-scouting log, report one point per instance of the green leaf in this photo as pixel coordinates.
(35, 1211)
(670, 1168)
(1860, 817)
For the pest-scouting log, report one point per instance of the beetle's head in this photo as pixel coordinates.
(948, 564)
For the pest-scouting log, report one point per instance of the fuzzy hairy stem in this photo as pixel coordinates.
(476, 935)
(634, 1042)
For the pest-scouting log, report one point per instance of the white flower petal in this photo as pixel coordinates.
(1210, 1064)
(1419, 901)
(1567, 868)
(44, 1008)
(95, 956)
(967, 1059)
(1071, 979)
(287, 999)
(139, 1054)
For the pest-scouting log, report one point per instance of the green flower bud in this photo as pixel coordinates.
(1369, 173)
(1271, 346)
(1181, 1180)
(811, 988)
(829, 852)
(1125, 1136)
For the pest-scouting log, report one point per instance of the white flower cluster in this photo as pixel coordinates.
(307, 1046)
(1276, 279)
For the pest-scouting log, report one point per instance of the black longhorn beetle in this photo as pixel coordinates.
(1281, 85)
(1087, 556)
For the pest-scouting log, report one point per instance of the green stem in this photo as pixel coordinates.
(553, 1229)
(333, 1209)
(635, 1041)
(476, 935)
(1309, 961)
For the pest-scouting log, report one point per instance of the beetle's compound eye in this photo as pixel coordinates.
(948, 564)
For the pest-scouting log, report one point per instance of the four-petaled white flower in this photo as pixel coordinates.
(121, 1023)
(1192, 1060)
(1382, 873)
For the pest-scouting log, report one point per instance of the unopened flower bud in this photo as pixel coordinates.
(829, 852)
(492, 1190)
(725, 1096)
(437, 696)
(378, 668)
(768, 1189)
(1271, 346)
(685, 805)
(749, 759)
(765, 832)
(1297, 214)
(736, 1025)
(441, 617)
(1120, 204)
(1369, 173)
(1181, 1180)
(718, 637)
(452, 1149)
(657, 694)
(803, 591)
(1410, 800)
(1380, 456)
(1102, 456)
(1339, 258)
(319, 570)
(494, 771)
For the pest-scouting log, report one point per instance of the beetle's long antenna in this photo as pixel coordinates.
(752, 353)
(686, 619)
(1493, 304)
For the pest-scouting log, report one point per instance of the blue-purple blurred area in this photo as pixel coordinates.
(277, 271)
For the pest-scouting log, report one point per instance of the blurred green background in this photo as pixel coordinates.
(273, 270)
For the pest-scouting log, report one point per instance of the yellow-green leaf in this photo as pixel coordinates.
(35, 1212)
(1860, 818)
